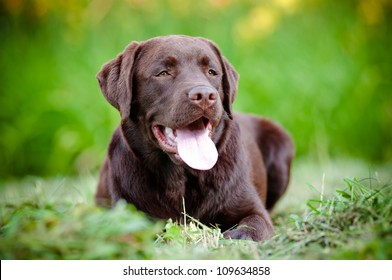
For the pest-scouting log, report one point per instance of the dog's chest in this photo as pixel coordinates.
(195, 197)
(201, 197)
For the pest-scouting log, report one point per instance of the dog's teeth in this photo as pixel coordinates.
(170, 137)
(169, 132)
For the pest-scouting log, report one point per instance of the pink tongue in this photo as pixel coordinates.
(196, 149)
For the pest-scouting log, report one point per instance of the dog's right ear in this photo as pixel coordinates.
(115, 79)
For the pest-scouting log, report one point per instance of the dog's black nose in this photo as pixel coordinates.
(203, 96)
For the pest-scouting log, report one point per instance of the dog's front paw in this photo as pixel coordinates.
(243, 233)
(256, 231)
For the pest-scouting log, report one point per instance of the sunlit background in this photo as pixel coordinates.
(321, 68)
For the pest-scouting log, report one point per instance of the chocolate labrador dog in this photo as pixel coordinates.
(179, 145)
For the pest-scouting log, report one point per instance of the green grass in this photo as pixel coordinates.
(338, 218)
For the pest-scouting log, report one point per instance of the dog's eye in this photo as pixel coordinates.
(163, 74)
(212, 72)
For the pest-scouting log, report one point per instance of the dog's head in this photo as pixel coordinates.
(179, 88)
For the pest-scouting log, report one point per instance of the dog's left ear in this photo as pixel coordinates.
(115, 80)
(229, 80)
(230, 85)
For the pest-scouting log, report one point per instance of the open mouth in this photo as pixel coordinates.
(192, 143)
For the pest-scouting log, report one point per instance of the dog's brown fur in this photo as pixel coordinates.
(253, 166)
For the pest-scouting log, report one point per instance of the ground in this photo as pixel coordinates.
(337, 209)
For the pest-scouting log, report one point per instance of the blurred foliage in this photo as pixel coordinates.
(83, 232)
(321, 68)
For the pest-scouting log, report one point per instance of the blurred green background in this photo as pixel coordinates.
(323, 69)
